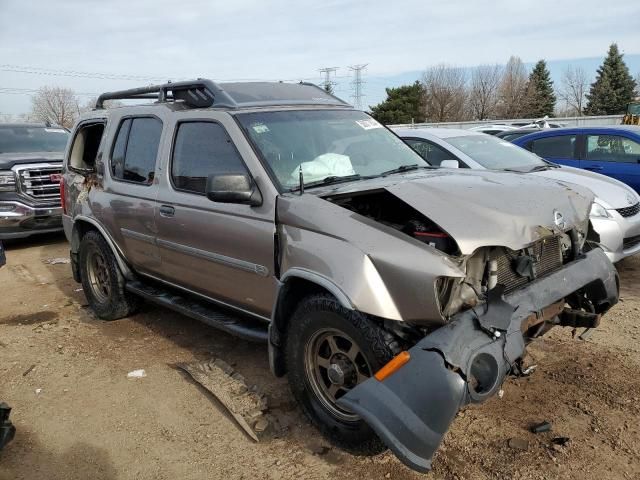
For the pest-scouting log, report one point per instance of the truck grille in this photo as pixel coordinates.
(630, 242)
(629, 211)
(548, 255)
(42, 182)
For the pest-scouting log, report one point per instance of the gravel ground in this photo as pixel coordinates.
(78, 416)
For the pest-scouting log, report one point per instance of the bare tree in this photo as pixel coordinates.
(573, 90)
(445, 93)
(483, 91)
(638, 84)
(513, 92)
(56, 105)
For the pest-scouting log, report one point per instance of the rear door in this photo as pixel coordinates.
(128, 204)
(616, 156)
(221, 250)
(562, 149)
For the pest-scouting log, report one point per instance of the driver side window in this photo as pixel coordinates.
(432, 153)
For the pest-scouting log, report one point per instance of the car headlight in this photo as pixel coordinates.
(598, 211)
(7, 181)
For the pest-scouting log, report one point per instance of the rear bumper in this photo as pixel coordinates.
(467, 361)
(19, 220)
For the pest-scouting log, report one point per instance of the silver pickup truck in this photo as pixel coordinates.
(30, 166)
(391, 293)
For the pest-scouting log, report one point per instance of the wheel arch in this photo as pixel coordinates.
(82, 225)
(294, 285)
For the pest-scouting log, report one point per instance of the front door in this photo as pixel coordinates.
(615, 156)
(562, 149)
(223, 251)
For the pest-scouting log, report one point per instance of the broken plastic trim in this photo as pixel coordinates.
(466, 361)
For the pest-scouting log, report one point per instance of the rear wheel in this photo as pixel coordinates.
(102, 281)
(329, 351)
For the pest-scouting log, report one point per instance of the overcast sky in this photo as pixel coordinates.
(277, 39)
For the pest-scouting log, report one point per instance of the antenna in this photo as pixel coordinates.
(301, 180)
(357, 83)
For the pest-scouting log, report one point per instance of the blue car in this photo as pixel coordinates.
(610, 150)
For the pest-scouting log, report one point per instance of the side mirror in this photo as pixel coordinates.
(233, 188)
(449, 164)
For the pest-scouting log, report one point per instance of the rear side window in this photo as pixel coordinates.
(562, 146)
(202, 149)
(135, 150)
(86, 144)
(612, 148)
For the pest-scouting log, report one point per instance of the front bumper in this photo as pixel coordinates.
(19, 220)
(467, 361)
(619, 236)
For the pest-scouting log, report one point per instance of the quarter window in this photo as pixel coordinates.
(202, 149)
(135, 150)
(561, 146)
(612, 148)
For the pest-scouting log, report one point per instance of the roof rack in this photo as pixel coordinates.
(204, 93)
(200, 93)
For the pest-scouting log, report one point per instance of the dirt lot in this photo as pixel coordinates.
(79, 416)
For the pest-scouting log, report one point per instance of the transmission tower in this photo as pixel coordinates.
(356, 84)
(327, 83)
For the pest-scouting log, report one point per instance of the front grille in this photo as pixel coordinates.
(629, 211)
(548, 253)
(630, 242)
(40, 183)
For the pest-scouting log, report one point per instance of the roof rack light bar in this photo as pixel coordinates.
(200, 93)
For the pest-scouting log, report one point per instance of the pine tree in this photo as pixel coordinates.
(404, 104)
(541, 99)
(613, 88)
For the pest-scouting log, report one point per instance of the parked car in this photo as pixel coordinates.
(615, 214)
(394, 293)
(493, 129)
(610, 150)
(30, 166)
(511, 135)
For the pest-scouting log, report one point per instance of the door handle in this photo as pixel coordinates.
(167, 211)
(593, 169)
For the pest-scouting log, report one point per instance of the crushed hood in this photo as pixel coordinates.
(609, 191)
(483, 208)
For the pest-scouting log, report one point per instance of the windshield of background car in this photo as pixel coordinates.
(325, 143)
(495, 153)
(32, 139)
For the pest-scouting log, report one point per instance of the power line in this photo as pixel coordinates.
(357, 83)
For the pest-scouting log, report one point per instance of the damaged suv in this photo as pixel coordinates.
(391, 293)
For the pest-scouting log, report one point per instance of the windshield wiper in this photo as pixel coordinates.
(331, 179)
(540, 168)
(403, 168)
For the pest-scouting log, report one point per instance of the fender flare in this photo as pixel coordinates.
(276, 330)
(124, 268)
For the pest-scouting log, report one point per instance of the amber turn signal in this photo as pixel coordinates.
(394, 365)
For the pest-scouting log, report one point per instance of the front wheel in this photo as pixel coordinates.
(329, 351)
(102, 281)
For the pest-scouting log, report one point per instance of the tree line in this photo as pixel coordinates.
(450, 94)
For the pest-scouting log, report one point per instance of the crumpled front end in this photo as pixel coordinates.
(468, 359)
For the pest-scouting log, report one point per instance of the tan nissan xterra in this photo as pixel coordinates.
(391, 293)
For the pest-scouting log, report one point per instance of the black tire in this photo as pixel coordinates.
(106, 295)
(317, 313)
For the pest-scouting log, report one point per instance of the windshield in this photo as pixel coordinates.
(326, 145)
(497, 154)
(21, 139)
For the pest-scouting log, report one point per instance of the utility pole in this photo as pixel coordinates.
(327, 83)
(357, 83)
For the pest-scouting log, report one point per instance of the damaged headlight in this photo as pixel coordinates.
(7, 181)
(598, 211)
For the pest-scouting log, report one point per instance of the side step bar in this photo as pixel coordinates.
(246, 329)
